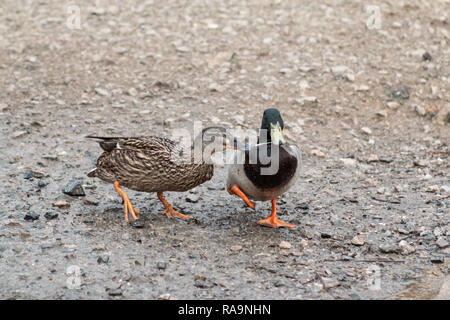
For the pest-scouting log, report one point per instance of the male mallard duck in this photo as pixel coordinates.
(267, 169)
(155, 164)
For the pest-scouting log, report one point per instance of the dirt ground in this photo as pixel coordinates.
(363, 90)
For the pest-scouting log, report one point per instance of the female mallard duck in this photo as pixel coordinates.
(155, 164)
(268, 169)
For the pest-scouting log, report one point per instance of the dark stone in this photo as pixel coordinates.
(28, 175)
(437, 259)
(428, 238)
(91, 202)
(138, 224)
(161, 265)
(42, 183)
(427, 56)
(278, 283)
(115, 292)
(202, 283)
(326, 235)
(74, 188)
(47, 246)
(303, 206)
(401, 92)
(50, 215)
(103, 259)
(31, 215)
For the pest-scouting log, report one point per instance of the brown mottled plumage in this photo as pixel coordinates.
(153, 164)
(149, 164)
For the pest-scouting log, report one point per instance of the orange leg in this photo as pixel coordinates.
(272, 220)
(170, 210)
(235, 190)
(128, 207)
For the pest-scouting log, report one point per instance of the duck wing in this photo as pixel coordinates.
(135, 157)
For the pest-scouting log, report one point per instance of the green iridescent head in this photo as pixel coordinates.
(272, 126)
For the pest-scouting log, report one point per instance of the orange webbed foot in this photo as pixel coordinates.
(274, 223)
(272, 220)
(128, 206)
(170, 211)
(235, 190)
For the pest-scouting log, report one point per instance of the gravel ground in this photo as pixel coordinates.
(364, 91)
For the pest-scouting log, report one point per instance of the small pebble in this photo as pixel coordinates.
(437, 231)
(388, 248)
(329, 283)
(427, 56)
(101, 92)
(132, 92)
(420, 110)
(19, 134)
(74, 188)
(236, 248)
(401, 92)
(339, 70)
(138, 224)
(393, 105)
(348, 161)
(278, 283)
(363, 87)
(28, 175)
(61, 204)
(165, 296)
(103, 258)
(433, 188)
(31, 216)
(442, 243)
(115, 292)
(359, 240)
(437, 259)
(318, 153)
(382, 113)
(406, 248)
(42, 183)
(50, 215)
(193, 198)
(284, 245)
(420, 163)
(350, 76)
(326, 235)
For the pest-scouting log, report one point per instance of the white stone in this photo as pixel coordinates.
(348, 161)
(318, 153)
(284, 245)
